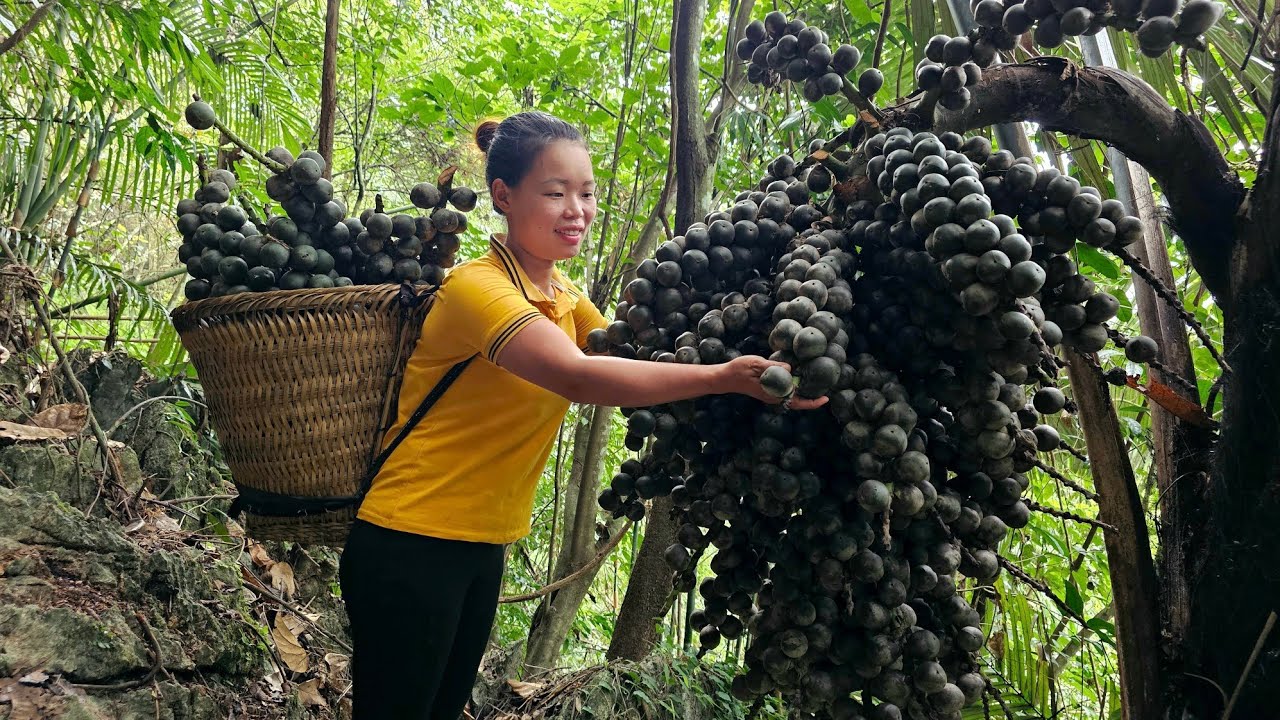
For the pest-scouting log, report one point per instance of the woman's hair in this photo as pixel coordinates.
(511, 146)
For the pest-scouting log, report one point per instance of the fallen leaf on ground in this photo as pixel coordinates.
(67, 417)
(281, 575)
(309, 693)
(30, 433)
(525, 690)
(34, 678)
(259, 556)
(291, 651)
(296, 625)
(274, 681)
(135, 526)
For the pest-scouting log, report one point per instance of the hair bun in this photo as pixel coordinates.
(485, 133)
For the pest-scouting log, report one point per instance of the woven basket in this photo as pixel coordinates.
(300, 386)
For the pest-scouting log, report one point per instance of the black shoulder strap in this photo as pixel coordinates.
(432, 397)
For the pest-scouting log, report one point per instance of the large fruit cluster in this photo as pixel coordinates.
(312, 243)
(777, 49)
(925, 296)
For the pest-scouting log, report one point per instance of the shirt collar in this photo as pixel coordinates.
(565, 300)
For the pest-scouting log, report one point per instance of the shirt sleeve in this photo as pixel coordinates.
(482, 309)
(585, 319)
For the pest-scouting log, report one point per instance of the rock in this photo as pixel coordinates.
(68, 642)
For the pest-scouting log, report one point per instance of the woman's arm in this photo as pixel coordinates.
(542, 354)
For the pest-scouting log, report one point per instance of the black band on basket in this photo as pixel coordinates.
(270, 504)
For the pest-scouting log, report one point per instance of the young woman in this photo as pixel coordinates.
(423, 565)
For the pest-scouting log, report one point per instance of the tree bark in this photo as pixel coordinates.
(328, 86)
(693, 158)
(25, 29)
(1233, 577)
(1182, 452)
(1133, 575)
(555, 614)
(648, 596)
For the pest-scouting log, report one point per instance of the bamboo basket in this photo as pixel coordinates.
(301, 385)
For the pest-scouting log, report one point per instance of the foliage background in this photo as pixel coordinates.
(93, 102)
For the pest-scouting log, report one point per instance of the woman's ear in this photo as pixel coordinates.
(501, 195)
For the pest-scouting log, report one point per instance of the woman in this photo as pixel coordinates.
(423, 565)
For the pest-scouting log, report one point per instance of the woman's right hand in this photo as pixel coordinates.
(742, 375)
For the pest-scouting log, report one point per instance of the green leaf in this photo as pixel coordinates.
(1073, 598)
(1091, 257)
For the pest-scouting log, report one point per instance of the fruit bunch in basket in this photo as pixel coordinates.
(308, 240)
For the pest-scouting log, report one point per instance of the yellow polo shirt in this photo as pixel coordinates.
(469, 469)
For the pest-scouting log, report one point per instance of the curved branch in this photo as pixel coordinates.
(1120, 110)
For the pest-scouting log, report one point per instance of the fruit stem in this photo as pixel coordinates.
(840, 170)
(861, 101)
(267, 162)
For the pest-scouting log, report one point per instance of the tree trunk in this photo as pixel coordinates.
(648, 596)
(328, 86)
(1182, 452)
(1232, 572)
(556, 612)
(1133, 574)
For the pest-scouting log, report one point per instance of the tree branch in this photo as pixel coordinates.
(8, 43)
(1119, 109)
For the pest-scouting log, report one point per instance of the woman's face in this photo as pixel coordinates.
(549, 211)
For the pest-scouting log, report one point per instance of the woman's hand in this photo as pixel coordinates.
(742, 375)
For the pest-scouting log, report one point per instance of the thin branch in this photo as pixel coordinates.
(1074, 453)
(1065, 515)
(157, 662)
(568, 579)
(1253, 41)
(1040, 587)
(1053, 473)
(884, 30)
(1172, 300)
(8, 43)
(26, 278)
(1248, 666)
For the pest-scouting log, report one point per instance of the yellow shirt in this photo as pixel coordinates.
(469, 469)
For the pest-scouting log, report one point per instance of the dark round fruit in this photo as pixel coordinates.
(200, 115)
(870, 82)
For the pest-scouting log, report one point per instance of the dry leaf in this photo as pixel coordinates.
(524, 690)
(309, 693)
(275, 681)
(446, 177)
(4, 354)
(281, 576)
(259, 555)
(296, 625)
(336, 665)
(165, 523)
(34, 678)
(135, 526)
(1165, 397)
(67, 417)
(30, 433)
(290, 650)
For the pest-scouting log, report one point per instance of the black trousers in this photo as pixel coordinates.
(420, 609)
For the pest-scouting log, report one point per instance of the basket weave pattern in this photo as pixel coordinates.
(299, 384)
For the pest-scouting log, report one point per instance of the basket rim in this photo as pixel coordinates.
(302, 299)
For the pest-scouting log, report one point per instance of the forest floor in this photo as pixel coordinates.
(137, 599)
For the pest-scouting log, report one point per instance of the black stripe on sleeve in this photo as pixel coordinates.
(503, 337)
